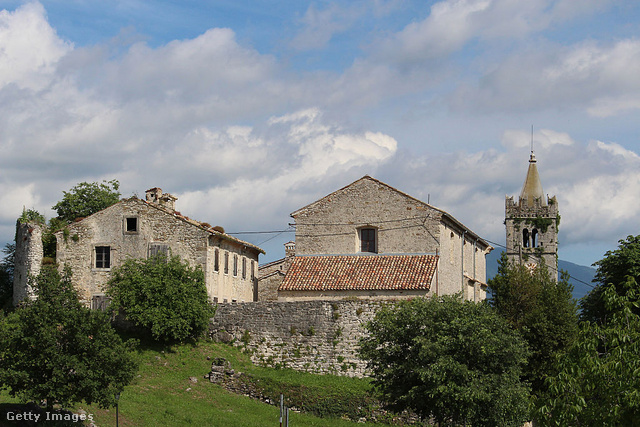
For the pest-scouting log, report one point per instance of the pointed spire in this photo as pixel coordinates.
(532, 188)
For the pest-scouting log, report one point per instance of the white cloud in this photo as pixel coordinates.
(596, 185)
(30, 47)
(513, 138)
(601, 79)
(319, 26)
(299, 156)
(452, 24)
(14, 197)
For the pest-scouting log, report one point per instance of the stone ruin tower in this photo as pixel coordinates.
(532, 224)
(28, 259)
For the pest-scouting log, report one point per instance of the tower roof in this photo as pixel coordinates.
(532, 188)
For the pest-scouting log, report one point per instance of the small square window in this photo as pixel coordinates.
(131, 225)
(103, 256)
(368, 240)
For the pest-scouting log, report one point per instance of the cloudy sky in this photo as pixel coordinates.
(248, 110)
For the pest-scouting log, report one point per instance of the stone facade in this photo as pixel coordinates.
(312, 336)
(28, 259)
(369, 217)
(135, 228)
(532, 224)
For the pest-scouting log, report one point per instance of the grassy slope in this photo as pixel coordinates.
(159, 396)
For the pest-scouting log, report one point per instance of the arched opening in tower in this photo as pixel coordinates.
(525, 238)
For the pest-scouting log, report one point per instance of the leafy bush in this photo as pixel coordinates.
(456, 362)
(164, 297)
(54, 349)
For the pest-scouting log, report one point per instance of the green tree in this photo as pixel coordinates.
(612, 269)
(456, 362)
(7, 266)
(54, 349)
(541, 309)
(598, 379)
(165, 297)
(86, 199)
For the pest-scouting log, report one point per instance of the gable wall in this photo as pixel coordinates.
(331, 225)
(106, 228)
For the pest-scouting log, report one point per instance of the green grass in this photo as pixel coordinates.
(159, 395)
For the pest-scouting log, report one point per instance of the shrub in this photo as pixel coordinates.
(55, 349)
(165, 297)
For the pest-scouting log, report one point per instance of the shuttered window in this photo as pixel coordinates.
(156, 249)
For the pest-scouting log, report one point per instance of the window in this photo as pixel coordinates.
(131, 225)
(103, 256)
(368, 240)
(525, 238)
(216, 260)
(534, 238)
(226, 263)
(235, 265)
(244, 268)
(156, 249)
(253, 272)
(100, 302)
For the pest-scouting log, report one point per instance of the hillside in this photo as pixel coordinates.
(580, 274)
(170, 390)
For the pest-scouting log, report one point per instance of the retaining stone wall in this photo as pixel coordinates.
(312, 336)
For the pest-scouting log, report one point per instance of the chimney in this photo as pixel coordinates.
(289, 249)
(153, 195)
(156, 196)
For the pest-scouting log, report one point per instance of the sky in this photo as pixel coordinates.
(247, 110)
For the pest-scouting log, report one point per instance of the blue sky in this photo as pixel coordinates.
(248, 110)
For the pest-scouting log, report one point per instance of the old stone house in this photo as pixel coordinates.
(370, 240)
(135, 228)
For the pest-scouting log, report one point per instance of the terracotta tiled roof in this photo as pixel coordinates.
(360, 272)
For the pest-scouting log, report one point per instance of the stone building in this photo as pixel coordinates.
(532, 224)
(370, 240)
(135, 228)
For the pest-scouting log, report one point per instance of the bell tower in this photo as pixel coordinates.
(532, 224)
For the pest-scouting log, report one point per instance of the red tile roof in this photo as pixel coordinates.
(360, 272)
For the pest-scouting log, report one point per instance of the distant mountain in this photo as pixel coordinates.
(581, 276)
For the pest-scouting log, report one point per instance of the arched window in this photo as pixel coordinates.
(525, 238)
(534, 238)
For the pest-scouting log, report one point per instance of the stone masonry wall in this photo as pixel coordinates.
(28, 259)
(403, 224)
(312, 336)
